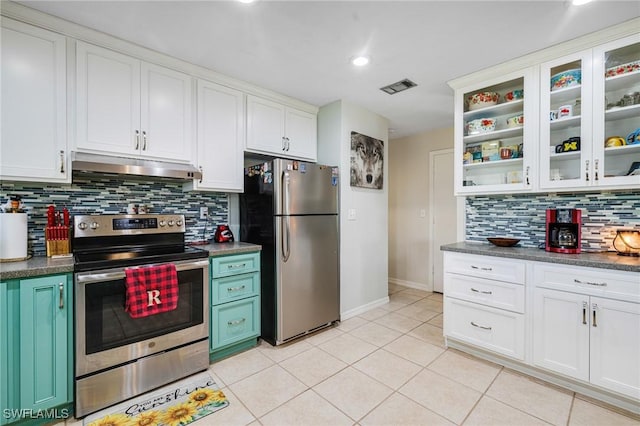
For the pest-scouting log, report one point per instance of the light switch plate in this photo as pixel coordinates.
(351, 214)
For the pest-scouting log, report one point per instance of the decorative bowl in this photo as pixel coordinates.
(614, 141)
(566, 79)
(481, 125)
(503, 242)
(515, 121)
(623, 69)
(514, 95)
(482, 100)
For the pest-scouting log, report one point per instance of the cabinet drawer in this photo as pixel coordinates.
(610, 284)
(508, 270)
(234, 287)
(497, 294)
(494, 329)
(235, 264)
(235, 321)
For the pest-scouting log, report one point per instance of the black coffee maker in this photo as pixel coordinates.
(563, 230)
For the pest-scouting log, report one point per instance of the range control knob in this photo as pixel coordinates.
(179, 222)
(171, 222)
(82, 226)
(162, 222)
(94, 225)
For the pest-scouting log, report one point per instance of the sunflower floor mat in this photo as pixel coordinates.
(177, 404)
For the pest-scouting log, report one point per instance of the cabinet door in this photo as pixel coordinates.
(301, 134)
(4, 354)
(220, 137)
(561, 332)
(34, 136)
(265, 126)
(166, 120)
(566, 85)
(44, 310)
(495, 135)
(234, 322)
(616, 107)
(108, 101)
(615, 345)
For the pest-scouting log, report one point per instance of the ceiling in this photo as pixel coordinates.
(302, 48)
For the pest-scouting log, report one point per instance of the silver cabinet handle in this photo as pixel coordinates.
(137, 139)
(482, 269)
(480, 326)
(527, 174)
(480, 291)
(584, 312)
(144, 140)
(586, 169)
(603, 284)
(595, 167)
(230, 289)
(288, 144)
(236, 322)
(61, 161)
(61, 289)
(237, 265)
(594, 306)
(284, 143)
(201, 174)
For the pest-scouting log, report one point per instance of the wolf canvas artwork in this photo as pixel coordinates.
(367, 157)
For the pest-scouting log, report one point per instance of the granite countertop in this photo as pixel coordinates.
(41, 265)
(605, 260)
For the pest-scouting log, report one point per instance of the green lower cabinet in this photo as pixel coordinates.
(235, 304)
(36, 365)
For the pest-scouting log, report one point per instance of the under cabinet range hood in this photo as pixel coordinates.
(85, 162)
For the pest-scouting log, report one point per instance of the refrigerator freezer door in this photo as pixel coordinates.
(308, 290)
(304, 188)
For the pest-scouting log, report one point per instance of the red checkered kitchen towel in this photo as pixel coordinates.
(151, 290)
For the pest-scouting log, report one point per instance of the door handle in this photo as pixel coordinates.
(61, 289)
(286, 247)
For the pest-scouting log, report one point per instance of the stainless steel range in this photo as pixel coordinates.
(118, 356)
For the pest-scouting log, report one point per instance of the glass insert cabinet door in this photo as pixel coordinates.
(493, 133)
(616, 132)
(565, 125)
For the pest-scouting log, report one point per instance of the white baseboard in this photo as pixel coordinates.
(410, 284)
(364, 308)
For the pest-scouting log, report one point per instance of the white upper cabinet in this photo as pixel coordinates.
(220, 138)
(616, 106)
(495, 134)
(279, 130)
(565, 126)
(34, 106)
(129, 107)
(580, 107)
(602, 110)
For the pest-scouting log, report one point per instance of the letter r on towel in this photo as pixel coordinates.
(153, 297)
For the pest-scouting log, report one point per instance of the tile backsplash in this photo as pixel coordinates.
(523, 216)
(110, 194)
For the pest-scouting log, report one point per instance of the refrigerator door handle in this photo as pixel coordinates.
(286, 242)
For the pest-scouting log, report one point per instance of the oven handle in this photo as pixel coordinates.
(118, 274)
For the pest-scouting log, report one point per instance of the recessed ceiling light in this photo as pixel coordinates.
(580, 2)
(360, 61)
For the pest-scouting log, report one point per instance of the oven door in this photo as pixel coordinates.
(106, 336)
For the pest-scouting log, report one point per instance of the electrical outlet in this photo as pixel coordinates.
(204, 212)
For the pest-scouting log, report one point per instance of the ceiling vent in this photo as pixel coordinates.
(399, 86)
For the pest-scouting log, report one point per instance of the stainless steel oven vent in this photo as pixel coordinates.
(398, 86)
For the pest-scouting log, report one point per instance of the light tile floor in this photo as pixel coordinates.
(389, 366)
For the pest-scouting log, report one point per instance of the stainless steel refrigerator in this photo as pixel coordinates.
(291, 209)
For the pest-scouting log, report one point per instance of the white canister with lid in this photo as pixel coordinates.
(13, 236)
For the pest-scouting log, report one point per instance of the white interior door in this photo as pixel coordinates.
(443, 211)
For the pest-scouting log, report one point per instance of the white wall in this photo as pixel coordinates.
(409, 182)
(364, 241)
